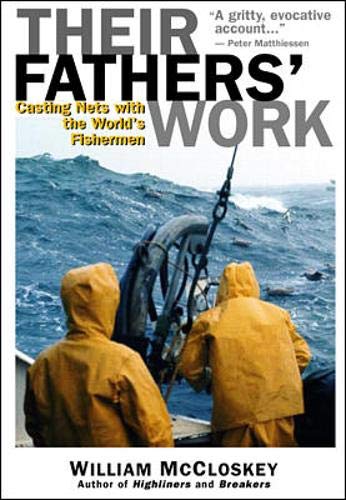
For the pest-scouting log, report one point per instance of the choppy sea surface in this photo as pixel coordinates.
(73, 212)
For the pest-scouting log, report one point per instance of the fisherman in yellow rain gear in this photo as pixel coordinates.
(87, 390)
(256, 358)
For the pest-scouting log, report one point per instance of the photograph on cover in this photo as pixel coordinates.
(153, 233)
(177, 173)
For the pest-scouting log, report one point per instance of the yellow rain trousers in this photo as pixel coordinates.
(255, 356)
(87, 390)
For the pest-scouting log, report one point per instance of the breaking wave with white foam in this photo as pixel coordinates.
(248, 202)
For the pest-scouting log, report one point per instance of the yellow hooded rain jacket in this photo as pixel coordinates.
(253, 350)
(87, 390)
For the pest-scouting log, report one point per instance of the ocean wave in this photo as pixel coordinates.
(248, 202)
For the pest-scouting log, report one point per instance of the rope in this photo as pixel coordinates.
(173, 264)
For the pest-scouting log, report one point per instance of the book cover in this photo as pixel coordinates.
(170, 140)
